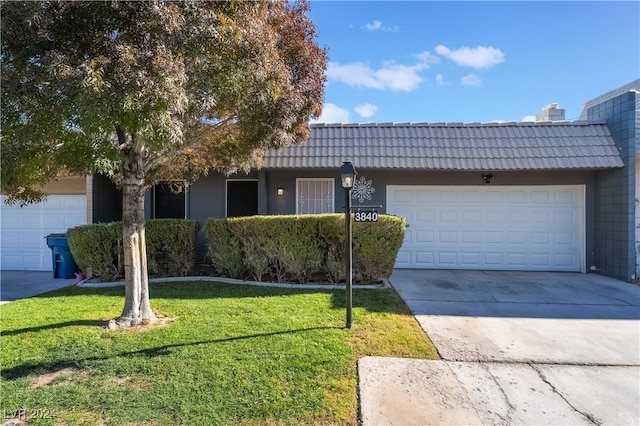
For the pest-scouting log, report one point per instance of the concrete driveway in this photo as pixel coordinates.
(16, 285)
(517, 348)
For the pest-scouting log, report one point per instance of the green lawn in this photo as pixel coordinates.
(234, 354)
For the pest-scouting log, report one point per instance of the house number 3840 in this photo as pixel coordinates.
(369, 216)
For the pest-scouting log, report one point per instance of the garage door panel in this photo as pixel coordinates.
(540, 197)
(540, 260)
(493, 237)
(425, 215)
(447, 237)
(471, 216)
(493, 259)
(516, 238)
(448, 216)
(518, 228)
(494, 197)
(402, 196)
(471, 237)
(564, 238)
(542, 217)
(448, 258)
(424, 237)
(516, 259)
(425, 258)
(424, 196)
(540, 238)
(517, 197)
(566, 197)
(471, 197)
(470, 258)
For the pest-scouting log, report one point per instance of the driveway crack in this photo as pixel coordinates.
(589, 417)
(510, 407)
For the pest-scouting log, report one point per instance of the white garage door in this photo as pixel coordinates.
(527, 228)
(24, 229)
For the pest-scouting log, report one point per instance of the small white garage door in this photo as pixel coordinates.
(24, 246)
(527, 228)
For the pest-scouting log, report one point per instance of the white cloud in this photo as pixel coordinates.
(332, 113)
(529, 118)
(375, 25)
(427, 58)
(478, 57)
(366, 110)
(440, 81)
(392, 76)
(470, 80)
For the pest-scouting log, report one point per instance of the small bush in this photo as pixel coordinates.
(97, 249)
(375, 248)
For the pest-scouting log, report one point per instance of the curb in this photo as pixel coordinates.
(88, 284)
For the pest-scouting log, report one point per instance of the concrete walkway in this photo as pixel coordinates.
(517, 348)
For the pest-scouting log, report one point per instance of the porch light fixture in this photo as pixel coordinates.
(280, 192)
(348, 176)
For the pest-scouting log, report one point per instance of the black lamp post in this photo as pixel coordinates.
(348, 175)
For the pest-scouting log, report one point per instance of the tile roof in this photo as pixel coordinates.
(454, 146)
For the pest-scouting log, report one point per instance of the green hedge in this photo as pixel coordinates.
(98, 250)
(303, 247)
(171, 246)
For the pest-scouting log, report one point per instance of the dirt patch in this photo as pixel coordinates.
(60, 376)
(161, 322)
(129, 382)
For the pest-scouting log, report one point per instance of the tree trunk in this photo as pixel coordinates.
(137, 309)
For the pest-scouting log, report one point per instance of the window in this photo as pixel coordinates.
(314, 196)
(170, 200)
(242, 198)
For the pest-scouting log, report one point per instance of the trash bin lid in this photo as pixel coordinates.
(57, 235)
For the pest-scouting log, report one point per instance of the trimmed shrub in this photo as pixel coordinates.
(223, 249)
(297, 248)
(376, 247)
(97, 249)
(293, 247)
(331, 233)
(170, 246)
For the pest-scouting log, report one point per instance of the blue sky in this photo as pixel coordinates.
(428, 61)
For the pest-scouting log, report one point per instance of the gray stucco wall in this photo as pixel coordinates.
(615, 191)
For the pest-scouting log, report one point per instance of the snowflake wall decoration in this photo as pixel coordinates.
(362, 189)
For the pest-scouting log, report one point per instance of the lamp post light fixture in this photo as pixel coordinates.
(348, 176)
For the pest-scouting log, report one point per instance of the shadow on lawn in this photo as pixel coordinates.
(374, 299)
(27, 369)
(87, 323)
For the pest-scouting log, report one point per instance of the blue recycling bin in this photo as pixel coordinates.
(63, 264)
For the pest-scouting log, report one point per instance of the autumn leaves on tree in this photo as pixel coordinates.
(145, 91)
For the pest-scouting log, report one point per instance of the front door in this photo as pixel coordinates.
(242, 198)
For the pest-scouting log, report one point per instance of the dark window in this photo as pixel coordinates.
(242, 198)
(169, 200)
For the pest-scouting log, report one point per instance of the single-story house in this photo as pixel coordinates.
(549, 195)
